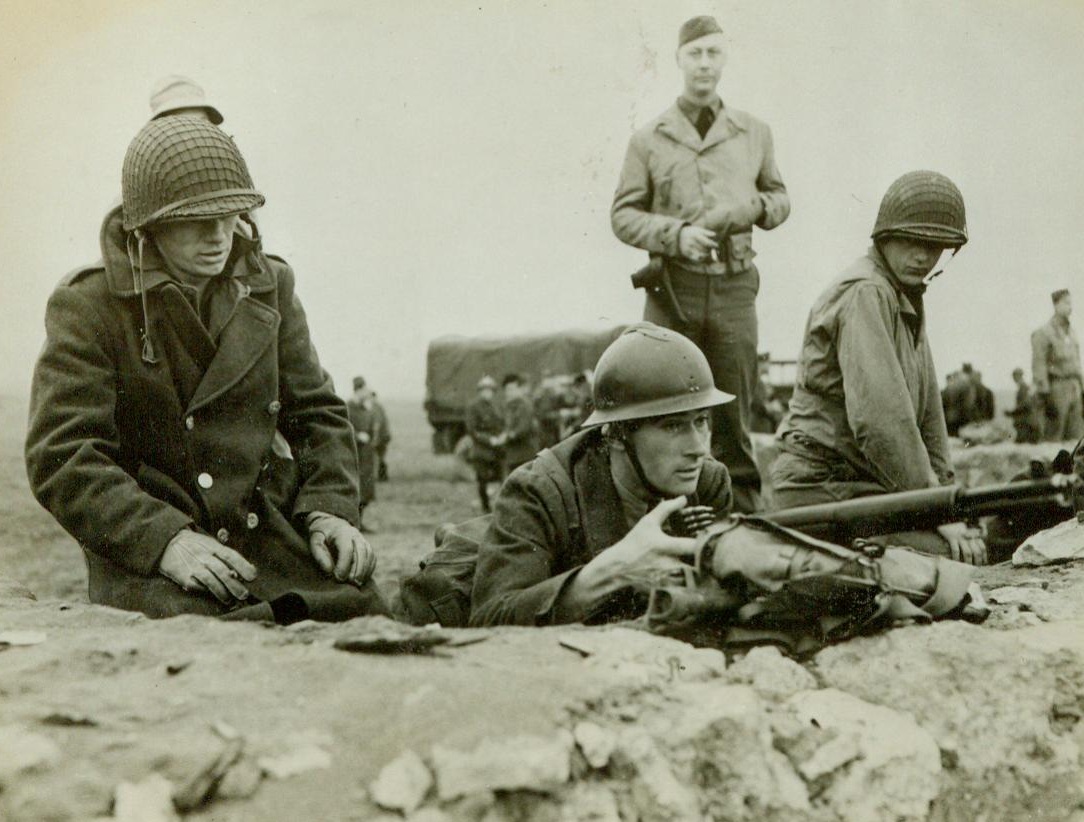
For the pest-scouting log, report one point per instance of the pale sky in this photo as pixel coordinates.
(448, 167)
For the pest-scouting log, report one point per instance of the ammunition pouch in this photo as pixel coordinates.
(757, 582)
(736, 252)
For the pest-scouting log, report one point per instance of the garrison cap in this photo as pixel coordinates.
(698, 27)
(174, 92)
(1059, 294)
(359, 383)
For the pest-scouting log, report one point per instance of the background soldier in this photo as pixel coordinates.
(1026, 418)
(175, 94)
(363, 417)
(181, 427)
(485, 427)
(694, 183)
(520, 426)
(866, 415)
(580, 533)
(1055, 368)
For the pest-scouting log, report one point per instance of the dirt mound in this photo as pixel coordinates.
(107, 712)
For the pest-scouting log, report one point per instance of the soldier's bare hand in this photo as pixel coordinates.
(696, 242)
(646, 554)
(354, 559)
(966, 544)
(198, 563)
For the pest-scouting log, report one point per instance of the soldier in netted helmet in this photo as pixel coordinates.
(866, 415)
(181, 427)
(583, 531)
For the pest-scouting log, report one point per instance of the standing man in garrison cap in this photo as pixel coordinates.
(1055, 367)
(695, 181)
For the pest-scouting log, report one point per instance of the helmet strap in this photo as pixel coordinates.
(655, 494)
(136, 261)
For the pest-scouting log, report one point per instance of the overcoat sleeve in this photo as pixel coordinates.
(878, 402)
(73, 447)
(514, 581)
(313, 418)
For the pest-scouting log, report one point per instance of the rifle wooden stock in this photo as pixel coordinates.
(923, 509)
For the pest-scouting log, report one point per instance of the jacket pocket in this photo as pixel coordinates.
(739, 248)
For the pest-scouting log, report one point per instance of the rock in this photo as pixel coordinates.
(633, 656)
(429, 815)
(305, 757)
(519, 762)
(15, 639)
(201, 786)
(770, 673)
(402, 783)
(875, 763)
(982, 695)
(241, 781)
(148, 801)
(589, 802)
(23, 751)
(657, 791)
(595, 742)
(10, 589)
(1062, 543)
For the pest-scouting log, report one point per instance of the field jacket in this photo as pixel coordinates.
(1055, 354)
(866, 389)
(672, 177)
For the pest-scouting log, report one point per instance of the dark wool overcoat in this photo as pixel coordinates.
(234, 430)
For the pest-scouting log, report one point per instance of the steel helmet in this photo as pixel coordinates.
(650, 371)
(487, 382)
(923, 205)
(184, 168)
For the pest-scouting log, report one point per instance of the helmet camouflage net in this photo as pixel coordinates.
(184, 168)
(923, 205)
(651, 371)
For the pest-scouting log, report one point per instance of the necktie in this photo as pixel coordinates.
(704, 120)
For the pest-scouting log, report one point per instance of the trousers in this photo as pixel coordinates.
(1065, 421)
(720, 317)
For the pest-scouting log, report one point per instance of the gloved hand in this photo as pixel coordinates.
(197, 562)
(734, 218)
(354, 560)
(966, 543)
(696, 242)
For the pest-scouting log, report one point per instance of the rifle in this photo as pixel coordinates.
(845, 521)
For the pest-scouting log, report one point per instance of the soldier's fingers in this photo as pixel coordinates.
(213, 585)
(369, 565)
(954, 549)
(665, 508)
(318, 548)
(244, 569)
(346, 547)
(677, 547)
(228, 577)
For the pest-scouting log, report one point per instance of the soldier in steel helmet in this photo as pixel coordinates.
(694, 183)
(582, 532)
(866, 415)
(181, 427)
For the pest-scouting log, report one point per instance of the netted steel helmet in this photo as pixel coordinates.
(650, 371)
(923, 205)
(184, 168)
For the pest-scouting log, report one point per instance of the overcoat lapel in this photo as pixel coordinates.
(244, 338)
(603, 516)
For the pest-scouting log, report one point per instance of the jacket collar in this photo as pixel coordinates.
(675, 125)
(245, 262)
(881, 271)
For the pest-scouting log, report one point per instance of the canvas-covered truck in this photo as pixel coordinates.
(456, 363)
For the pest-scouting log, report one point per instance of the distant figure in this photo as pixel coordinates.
(381, 439)
(547, 408)
(174, 94)
(485, 427)
(520, 426)
(1026, 418)
(364, 420)
(957, 400)
(767, 412)
(695, 181)
(1055, 367)
(983, 408)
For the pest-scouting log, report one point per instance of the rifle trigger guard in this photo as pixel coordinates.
(869, 551)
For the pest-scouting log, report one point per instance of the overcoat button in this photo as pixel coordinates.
(223, 535)
(205, 480)
(274, 407)
(189, 422)
(252, 520)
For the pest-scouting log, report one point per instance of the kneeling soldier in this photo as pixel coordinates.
(581, 533)
(181, 427)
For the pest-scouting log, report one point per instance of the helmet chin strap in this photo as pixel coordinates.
(655, 494)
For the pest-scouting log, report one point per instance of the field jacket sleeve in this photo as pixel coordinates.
(878, 402)
(631, 217)
(773, 193)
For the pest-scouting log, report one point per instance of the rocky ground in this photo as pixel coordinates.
(105, 714)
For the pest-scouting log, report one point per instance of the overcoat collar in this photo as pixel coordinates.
(603, 516)
(675, 125)
(244, 263)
